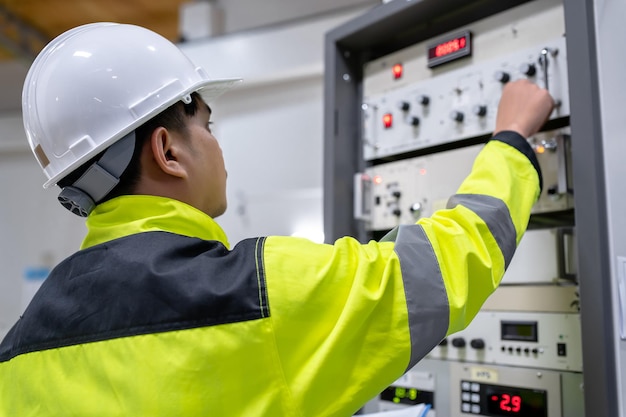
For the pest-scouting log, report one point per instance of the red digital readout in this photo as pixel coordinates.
(508, 403)
(451, 46)
(449, 49)
(514, 402)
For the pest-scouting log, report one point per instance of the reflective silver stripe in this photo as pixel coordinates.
(496, 216)
(426, 297)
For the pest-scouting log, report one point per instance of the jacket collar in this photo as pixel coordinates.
(128, 215)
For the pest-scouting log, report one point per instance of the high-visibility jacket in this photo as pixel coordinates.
(157, 316)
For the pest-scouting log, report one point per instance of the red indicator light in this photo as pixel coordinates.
(387, 120)
(397, 71)
(422, 171)
(378, 179)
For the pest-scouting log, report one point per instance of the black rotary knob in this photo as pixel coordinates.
(503, 77)
(480, 110)
(528, 69)
(457, 116)
(458, 342)
(477, 344)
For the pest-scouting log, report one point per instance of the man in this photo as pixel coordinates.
(157, 316)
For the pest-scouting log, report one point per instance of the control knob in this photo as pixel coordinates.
(458, 342)
(477, 344)
(480, 110)
(414, 121)
(424, 100)
(416, 210)
(457, 116)
(553, 190)
(503, 77)
(528, 69)
(404, 105)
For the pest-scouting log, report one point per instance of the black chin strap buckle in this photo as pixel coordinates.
(76, 201)
(99, 179)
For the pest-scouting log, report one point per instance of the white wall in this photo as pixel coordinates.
(272, 142)
(35, 231)
(271, 126)
(241, 15)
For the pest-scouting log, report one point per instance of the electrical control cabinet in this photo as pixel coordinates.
(456, 105)
(400, 192)
(423, 87)
(497, 391)
(517, 338)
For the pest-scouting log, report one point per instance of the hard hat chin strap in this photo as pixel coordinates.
(99, 179)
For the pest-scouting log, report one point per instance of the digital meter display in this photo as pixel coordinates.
(449, 49)
(518, 402)
(523, 331)
(503, 401)
(407, 395)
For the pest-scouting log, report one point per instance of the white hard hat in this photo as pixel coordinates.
(95, 84)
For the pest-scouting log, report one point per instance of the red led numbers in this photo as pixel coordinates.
(449, 49)
(510, 403)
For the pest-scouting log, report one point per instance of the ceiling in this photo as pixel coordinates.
(27, 25)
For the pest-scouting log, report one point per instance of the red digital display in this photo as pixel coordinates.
(449, 49)
(514, 402)
(508, 403)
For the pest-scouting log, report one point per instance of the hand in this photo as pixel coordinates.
(524, 107)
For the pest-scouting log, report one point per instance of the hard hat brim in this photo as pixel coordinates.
(209, 90)
(215, 88)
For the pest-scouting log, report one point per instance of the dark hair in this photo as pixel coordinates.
(173, 118)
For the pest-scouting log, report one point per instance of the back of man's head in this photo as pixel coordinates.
(86, 94)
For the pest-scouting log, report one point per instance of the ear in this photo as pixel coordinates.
(166, 149)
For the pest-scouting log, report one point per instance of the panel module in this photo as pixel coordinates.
(459, 104)
(447, 89)
(426, 112)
